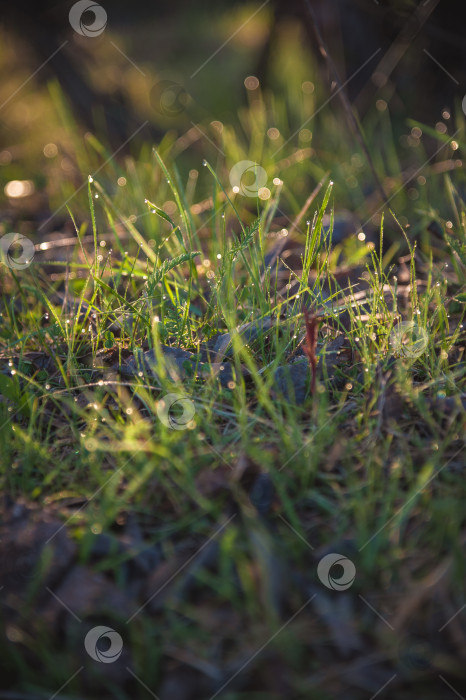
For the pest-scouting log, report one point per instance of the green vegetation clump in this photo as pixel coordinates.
(234, 362)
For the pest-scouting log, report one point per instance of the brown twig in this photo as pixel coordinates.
(353, 121)
(312, 326)
(398, 48)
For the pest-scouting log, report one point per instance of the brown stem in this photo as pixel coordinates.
(312, 326)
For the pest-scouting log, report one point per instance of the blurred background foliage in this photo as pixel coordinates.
(250, 78)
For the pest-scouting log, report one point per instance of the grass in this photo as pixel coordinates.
(217, 529)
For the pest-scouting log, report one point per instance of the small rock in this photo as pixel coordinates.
(222, 346)
(262, 494)
(292, 381)
(184, 365)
